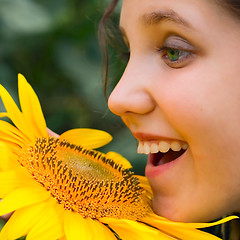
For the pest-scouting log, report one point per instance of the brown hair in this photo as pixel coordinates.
(233, 6)
(105, 35)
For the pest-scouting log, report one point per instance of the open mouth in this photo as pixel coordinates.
(160, 158)
(162, 152)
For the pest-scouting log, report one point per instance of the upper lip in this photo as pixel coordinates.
(148, 136)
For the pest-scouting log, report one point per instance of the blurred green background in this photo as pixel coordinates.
(54, 44)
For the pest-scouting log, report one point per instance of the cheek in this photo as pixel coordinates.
(204, 108)
(184, 104)
(200, 98)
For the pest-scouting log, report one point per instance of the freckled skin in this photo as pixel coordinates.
(195, 99)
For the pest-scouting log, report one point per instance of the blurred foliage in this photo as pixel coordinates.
(54, 45)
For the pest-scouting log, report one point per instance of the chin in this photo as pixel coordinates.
(184, 212)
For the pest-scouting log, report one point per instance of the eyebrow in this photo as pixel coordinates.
(157, 17)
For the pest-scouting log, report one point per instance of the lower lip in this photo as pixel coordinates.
(153, 171)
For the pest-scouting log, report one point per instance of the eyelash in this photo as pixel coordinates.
(184, 57)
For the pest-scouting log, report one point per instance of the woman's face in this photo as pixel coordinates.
(181, 89)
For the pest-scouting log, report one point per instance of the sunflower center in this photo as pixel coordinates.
(84, 181)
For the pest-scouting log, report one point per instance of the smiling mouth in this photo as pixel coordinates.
(162, 152)
(160, 158)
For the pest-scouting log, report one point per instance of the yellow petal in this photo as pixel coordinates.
(204, 225)
(119, 159)
(8, 182)
(14, 148)
(99, 231)
(188, 233)
(11, 130)
(183, 230)
(22, 197)
(8, 138)
(14, 113)
(8, 160)
(49, 224)
(21, 222)
(160, 222)
(3, 114)
(88, 138)
(127, 229)
(4, 161)
(76, 227)
(31, 107)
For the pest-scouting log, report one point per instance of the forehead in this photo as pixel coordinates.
(194, 13)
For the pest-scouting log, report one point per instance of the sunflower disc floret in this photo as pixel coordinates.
(83, 180)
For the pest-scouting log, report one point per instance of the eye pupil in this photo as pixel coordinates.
(173, 54)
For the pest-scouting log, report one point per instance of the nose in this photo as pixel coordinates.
(132, 93)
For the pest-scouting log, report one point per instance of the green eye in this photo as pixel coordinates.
(173, 54)
(175, 57)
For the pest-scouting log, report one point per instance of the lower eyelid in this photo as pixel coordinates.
(164, 52)
(181, 62)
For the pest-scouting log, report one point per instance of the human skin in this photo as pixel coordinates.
(194, 99)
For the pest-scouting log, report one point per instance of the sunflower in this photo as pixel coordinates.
(58, 187)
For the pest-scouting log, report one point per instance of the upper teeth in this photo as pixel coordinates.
(162, 146)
